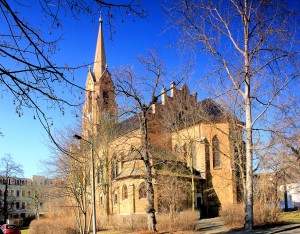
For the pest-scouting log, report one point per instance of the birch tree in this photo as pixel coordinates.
(254, 56)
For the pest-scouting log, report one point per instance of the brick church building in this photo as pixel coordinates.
(195, 159)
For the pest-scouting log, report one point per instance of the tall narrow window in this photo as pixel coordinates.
(101, 199)
(176, 151)
(184, 152)
(142, 190)
(193, 156)
(99, 175)
(238, 175)
(105, 97)
(115, 170)
(124, 192)
(216, 152)
(115, 198)
(207, 156)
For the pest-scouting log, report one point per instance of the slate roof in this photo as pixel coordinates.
(208, 110)
(128, 125)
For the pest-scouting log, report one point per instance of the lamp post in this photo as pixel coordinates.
(93, 181)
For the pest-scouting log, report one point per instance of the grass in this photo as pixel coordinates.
(25, 230)
(290, 217)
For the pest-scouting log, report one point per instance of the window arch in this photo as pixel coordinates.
(142, 190)
(124, 192)
(216, 152)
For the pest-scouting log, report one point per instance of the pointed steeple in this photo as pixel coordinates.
(100, 57)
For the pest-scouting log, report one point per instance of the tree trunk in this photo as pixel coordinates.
(148, 173)
(249, 127)
(249, 182)
(286, 204)
(5, 208)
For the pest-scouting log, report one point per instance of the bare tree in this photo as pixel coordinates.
(136, 88)
(250, 41)
(70, 178)
(173, 179)
(9, 171)
(27, 69)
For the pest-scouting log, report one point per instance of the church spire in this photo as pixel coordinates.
(100, 57)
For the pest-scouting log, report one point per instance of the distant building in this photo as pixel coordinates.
(293, 194)
(25, 196)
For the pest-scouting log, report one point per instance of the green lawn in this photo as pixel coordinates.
(25, 231)
(292, 217)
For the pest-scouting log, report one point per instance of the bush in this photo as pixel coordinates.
(265, 214)
(138, 222)
(234, 215)
(134, 222)
(183, 221)
(52, 226)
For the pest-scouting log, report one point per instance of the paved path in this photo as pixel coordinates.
(213, 225)
(216, 225)
(289, 228)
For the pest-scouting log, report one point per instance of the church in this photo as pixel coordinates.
(195, 157)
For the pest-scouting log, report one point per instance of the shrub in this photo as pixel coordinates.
(138, 222)
(134, 222)
(233, 215)
(52, 226)
(183, 221)
(265, 214)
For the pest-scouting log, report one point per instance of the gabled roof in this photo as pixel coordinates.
(210, 108)
(128, 125)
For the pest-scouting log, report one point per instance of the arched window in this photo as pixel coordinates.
(116, 198)
(142, 190)
(124, 192)
(176, 151)
(105, 98)
(184, 152)
(216, 152)
(101, 199)
(193, 155)
(207, 156)
(238, 175)
(99, 174)
(115, 170)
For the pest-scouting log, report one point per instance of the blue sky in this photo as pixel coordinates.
(24, 138)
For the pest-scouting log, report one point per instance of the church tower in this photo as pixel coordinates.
(100, 97)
